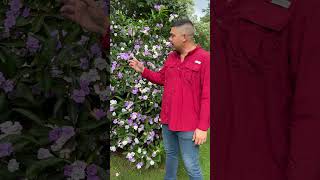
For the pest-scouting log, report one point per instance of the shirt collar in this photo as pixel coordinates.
(190, 52)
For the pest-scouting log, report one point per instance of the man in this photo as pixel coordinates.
(266, 116)
(89, 15)
(185, 103)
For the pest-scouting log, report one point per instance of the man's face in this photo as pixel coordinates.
(176, 38)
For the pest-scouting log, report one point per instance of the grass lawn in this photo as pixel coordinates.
(127, 170)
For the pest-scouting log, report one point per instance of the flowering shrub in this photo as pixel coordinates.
(135, 103)
(53, 95)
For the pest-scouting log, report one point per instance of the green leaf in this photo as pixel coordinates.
(3, 101)
(2, 57)
(15, 44)
(36, 168)
(57, 106)
(22, 22)
(37, 23)
(93, 126)
(29, 115)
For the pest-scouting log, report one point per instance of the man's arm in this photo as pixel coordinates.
(154, 77)
(204, 121)
(304, 156)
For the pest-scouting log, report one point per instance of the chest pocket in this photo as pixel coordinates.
(191, 71)
(257, 39)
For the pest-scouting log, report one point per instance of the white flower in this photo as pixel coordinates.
(150, 83)
(126, 126)
(151, 162)
(100, 63)
(124, 142)
(44, 153)
(142, 82)
(117, 174)
(113, 148)
(11, 128)
(113, 102)
(144, 152)
(13, 165)
(121, 123)
(114, 114)
(136, 140)
(122, 49)
(138, 85)
(123, 110)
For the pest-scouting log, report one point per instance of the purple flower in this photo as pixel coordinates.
(54, 33)
(99, 113)
(59, 45)
(130, 121)
(26, 12)
(78, 96)
(124, 56)
(150, 121)
(67, 131)
(55, 134)
(139, 165)
(146, 28)
(32, 44)
(120, 75)
(5, 149)
(157, 7)
(159, 25)
(111, 108)
(91, 170)
(130, 32)
(84, 63)
(95, 50)
(67, 170)
(128, 104)
(7, 86)
(83, 40)
(151, 136)
(156, 119)
(146, 52)
(15, 5)
(114, 66)
(2, 78)
(10, 21)
(134, 115)
(84, 85)
(137, 47)
(135, 91)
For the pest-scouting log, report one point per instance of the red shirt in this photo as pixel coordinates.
(266, 90)
(186, 98)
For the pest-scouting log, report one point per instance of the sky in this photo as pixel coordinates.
(199, 5)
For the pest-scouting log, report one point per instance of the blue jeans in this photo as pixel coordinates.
(175, 140)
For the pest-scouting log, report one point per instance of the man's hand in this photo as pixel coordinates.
(87, 13)
(136, 65)
(199, 136)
